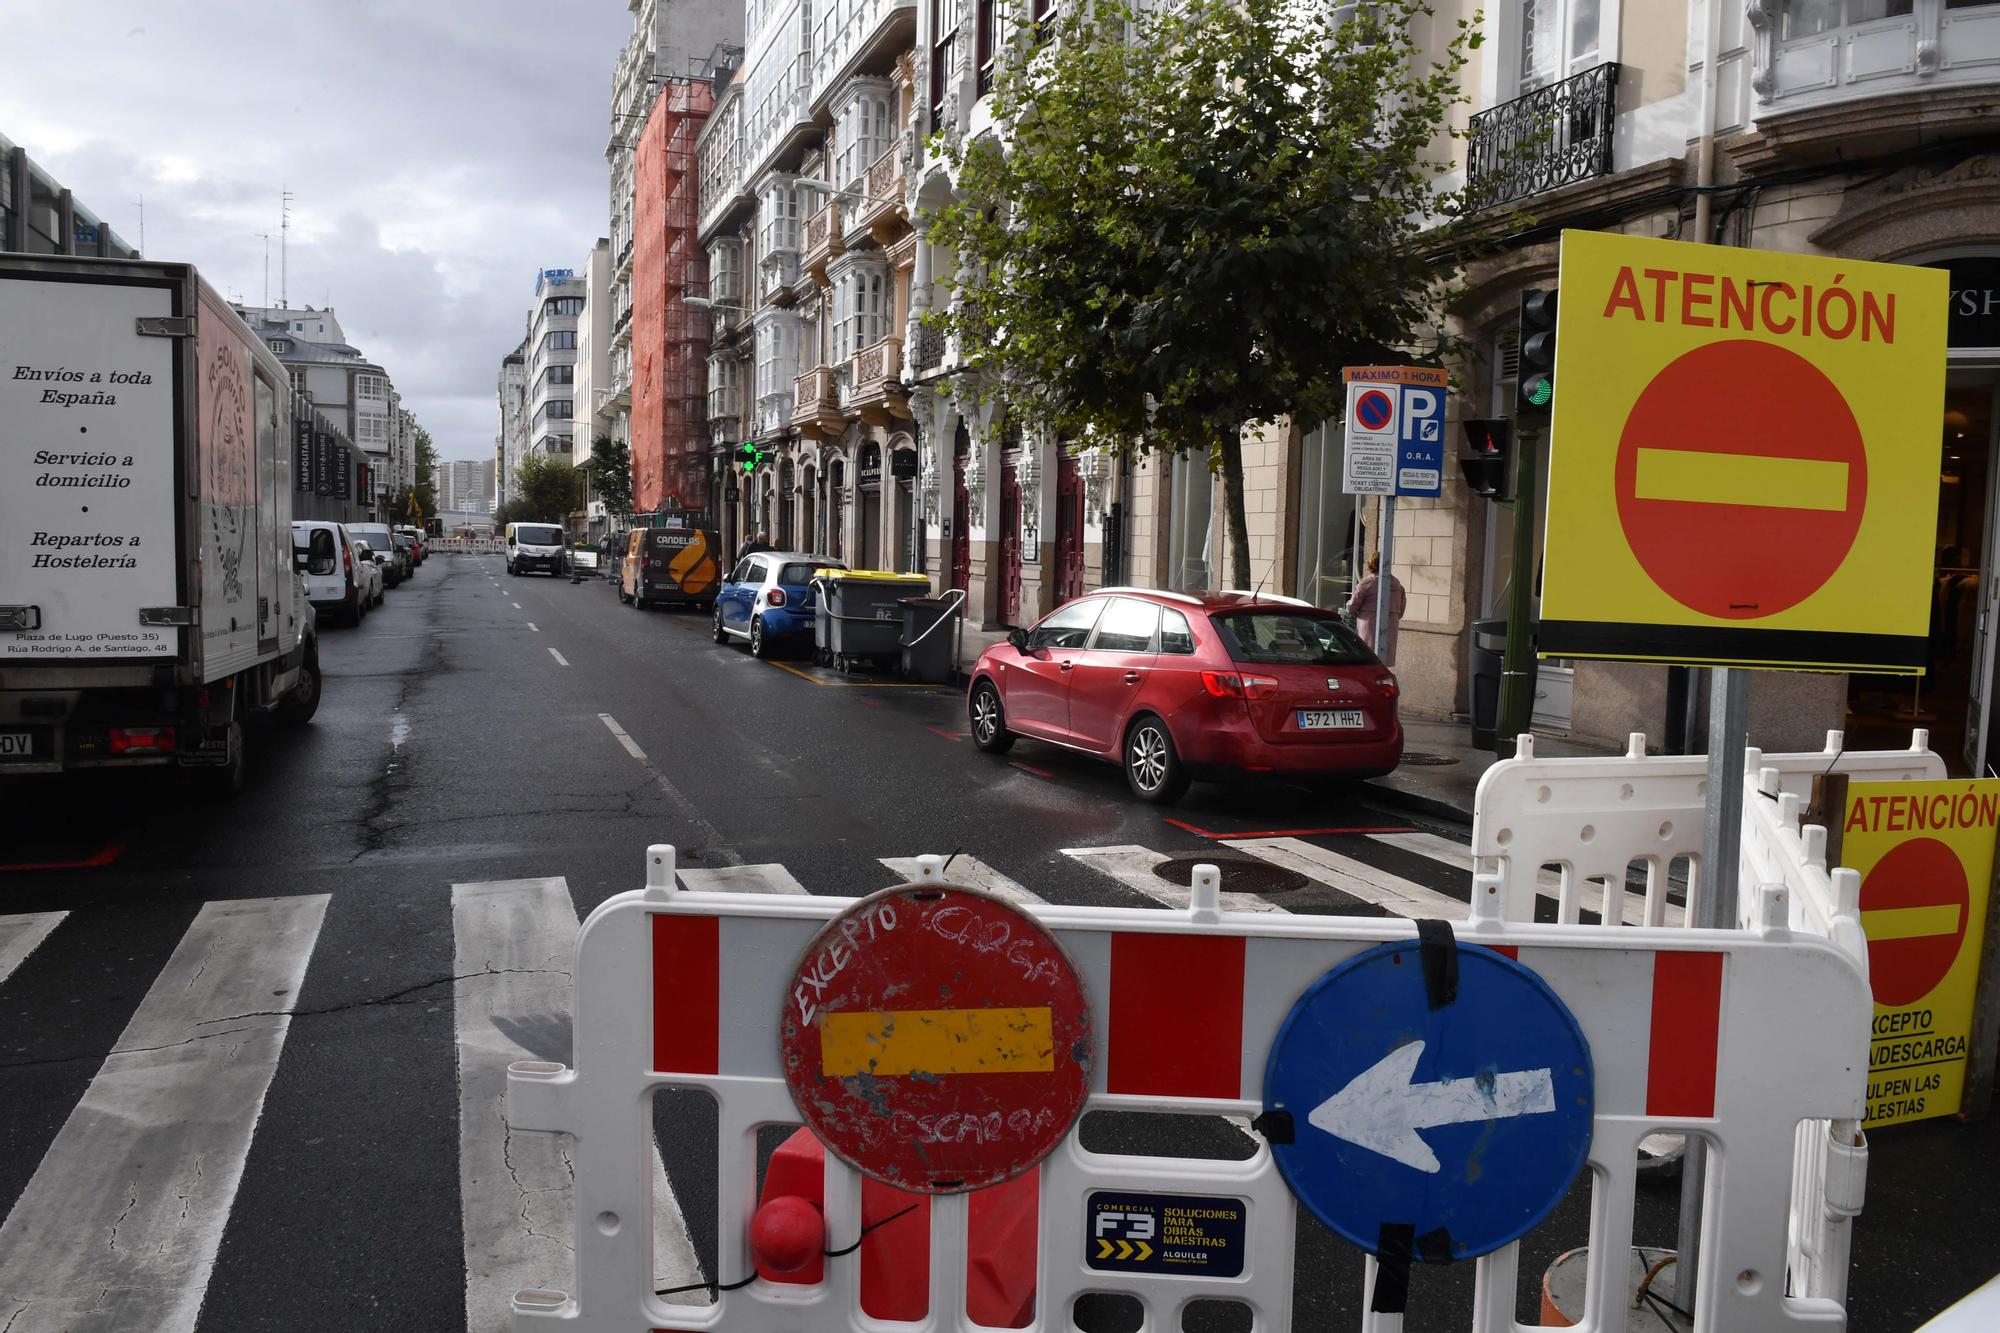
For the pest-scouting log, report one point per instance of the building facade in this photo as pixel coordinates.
(465, 486)
(551, 361)
(38, 214)
(511, 446)
(346, 388)
(593, 373)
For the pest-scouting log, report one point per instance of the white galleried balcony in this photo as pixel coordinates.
(722, 183)
(1812, 54)
(848, 34)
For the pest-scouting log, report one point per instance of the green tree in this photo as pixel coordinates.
(427, 466)
(610, 469)
(547, 488)
(1199, 215)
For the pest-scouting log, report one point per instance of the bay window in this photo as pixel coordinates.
(779, 217)
(860, 310)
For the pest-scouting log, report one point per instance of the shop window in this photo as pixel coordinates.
(1191, 525)
(1329, 526)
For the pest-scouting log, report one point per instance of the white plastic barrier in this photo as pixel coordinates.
(1737, 1035)
(1596, 817)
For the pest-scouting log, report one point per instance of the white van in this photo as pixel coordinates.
(323, 552)
(534, 546)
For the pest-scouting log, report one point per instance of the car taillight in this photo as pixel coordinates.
(131, 740)
(1386, 683)
(775, 597)
(1235, 685)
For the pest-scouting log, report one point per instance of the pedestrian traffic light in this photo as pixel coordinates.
(1535, 381)
(752, 456)
(1484, 464)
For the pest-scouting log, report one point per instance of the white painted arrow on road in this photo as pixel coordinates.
(1382, 1110)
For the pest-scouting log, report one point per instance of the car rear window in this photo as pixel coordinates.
(1301, 638)
(801, 571)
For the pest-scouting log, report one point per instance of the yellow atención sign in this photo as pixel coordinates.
(1743, 465)
(1925, 853)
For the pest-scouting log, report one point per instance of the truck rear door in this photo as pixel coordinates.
(90, 480)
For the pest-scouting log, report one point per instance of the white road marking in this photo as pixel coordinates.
(120, 1225)
(1132, 866)
(971, 872)
(533, 626)
(740, 879)
(22, 935)
(631, 746)
(517, 606)
(560, 659)
(1356, 879)
(519, 937)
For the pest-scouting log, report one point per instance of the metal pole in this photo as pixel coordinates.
(1721, 849)
(1383, 604)
(1517, 669)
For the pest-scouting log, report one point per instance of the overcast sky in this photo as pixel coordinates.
(438, 152)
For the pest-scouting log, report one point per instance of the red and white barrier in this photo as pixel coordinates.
(1736, 1035)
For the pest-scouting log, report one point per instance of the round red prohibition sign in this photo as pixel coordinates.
(1373, 409)
(1922, 882)
(937, 1039)
(1741, 479)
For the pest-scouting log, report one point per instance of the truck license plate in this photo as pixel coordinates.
(1319, 719)
(17, 744)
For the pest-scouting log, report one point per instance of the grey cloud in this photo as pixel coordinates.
(439, 153)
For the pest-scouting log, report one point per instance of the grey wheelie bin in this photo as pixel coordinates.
(857, 619)
(929, 632)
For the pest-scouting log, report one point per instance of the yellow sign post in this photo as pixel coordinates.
(1743, 467)
(1925, 853)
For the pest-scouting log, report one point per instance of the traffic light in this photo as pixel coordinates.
(1535, 382)
(1484, 464)
(751, 456)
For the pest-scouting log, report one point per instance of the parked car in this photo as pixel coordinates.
(768, 600)
(420, 548)
(397, 567)
(374, 569)
(534, 546)
(406, 546)
(1175, 687)
(324, 554)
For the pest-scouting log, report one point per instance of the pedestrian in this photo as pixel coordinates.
(1363, 605)
(760, 542)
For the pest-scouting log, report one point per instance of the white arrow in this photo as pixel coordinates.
(1382, 1110)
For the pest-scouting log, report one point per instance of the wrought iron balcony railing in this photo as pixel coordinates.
(1556, 135)
(928, 354)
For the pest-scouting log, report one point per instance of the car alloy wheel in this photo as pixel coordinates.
(721, 634)
(1146, 757)
(988, 717)
(757, 646)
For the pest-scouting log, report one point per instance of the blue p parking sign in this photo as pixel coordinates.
(1420, 446)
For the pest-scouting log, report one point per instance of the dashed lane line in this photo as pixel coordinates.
(533, 626)
(631, 746)
(560, 659)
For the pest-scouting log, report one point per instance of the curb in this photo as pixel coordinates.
(1435, 806)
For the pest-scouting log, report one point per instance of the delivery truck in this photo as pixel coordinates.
(150, 605)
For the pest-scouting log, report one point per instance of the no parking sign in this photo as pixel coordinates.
(1395, 431)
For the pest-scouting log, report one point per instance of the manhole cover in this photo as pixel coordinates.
(1240, 874)
(1421, 760)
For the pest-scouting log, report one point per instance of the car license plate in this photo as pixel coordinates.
(1321, 719)
(17, 744)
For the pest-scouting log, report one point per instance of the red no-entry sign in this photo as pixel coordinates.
(937, 1039)
(1921, 886)
(1750, 507)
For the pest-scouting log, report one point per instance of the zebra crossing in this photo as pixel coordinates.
(120, 1225)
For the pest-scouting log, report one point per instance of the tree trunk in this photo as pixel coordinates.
(1238, 527)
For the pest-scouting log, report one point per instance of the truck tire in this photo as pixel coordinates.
(226, 782)
(298, 707)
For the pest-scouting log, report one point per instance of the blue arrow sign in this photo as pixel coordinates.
(1465, 1123)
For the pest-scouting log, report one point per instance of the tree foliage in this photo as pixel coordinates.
(547, 489)
(1199, 215)
(610, 469)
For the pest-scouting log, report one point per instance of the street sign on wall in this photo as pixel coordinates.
(937, 1039)
(1395, 431)
(1925, 853)
(1442, 1126)
(1743, 464)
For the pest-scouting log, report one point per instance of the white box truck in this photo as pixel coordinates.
(149, 603)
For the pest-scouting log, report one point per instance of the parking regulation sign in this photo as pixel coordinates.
(1437, 1128)
(1740, 466)
(936, 1039)
(1395, 431)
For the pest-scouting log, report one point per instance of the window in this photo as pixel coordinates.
(1127, 626)
(860, 312)
(989, 42)
(863, 137)
(725, 378)
(298, 380)
(944, 55)
(280, 346)
(1067, 627)
(1191, 525)
(1328, 520)
(559, 340)
(1044, 14)
(1557, 38)
(779, 218)
(372, 429)
(777, 358)
(1809, 18)
(725, 273)
(563, 305)
(370, 386)
(559, 375)
(1176, 635)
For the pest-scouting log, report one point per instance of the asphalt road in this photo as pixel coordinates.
(526, 739)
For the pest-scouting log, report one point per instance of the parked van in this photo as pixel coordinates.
(336, 584)
(534, 546)
(669, 566)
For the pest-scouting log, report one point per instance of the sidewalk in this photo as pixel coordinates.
(1440, 770)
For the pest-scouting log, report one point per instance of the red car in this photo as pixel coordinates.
(1176, 687)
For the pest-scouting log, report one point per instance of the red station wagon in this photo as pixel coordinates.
(1176, 687)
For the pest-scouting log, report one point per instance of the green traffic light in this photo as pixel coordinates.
(1541, 390)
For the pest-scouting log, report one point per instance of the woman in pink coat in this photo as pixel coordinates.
(1362, 606)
